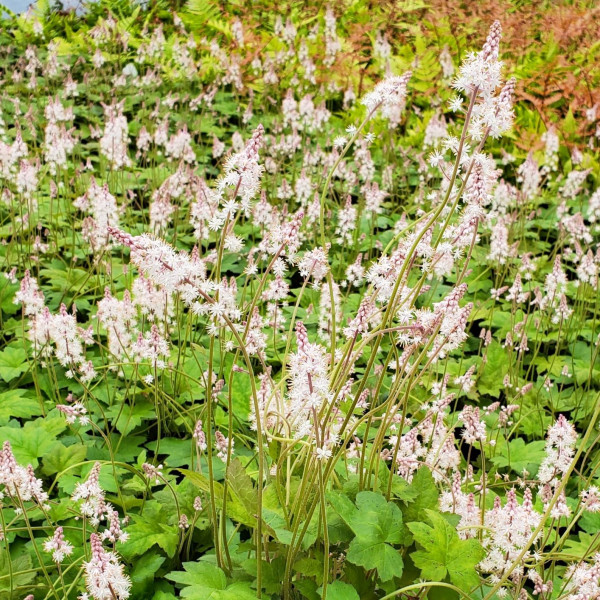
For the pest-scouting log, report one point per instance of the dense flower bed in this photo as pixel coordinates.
(294, 310)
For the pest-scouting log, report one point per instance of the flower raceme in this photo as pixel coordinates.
(104, 574)
(389, 92)
(58, 546)
(19, 482)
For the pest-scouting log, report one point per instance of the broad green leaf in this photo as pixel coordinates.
(235, 510)
(200, 574)
(383, 557)
(338, 590)
(520, 456)
(34, 439)
(277, 523)
(145, 567)
(13, 362)
(376, 519)
(205, 581)
(127, 417)
(580, 546)
(145, 533)
(272, 573)
(344, 507)
(376, 523)
(308, 588)
(14, 404)
(60, 457)
(178, 452)
(490, 380)
(570, 123)
(425, 495)
(444, 554)
(18, 564)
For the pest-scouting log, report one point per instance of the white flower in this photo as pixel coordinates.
(104, 576)
(323, 453)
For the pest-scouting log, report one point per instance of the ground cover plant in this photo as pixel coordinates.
(299, 301)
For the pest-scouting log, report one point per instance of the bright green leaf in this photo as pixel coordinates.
(13, 362)
(444, 553)
(338, 590)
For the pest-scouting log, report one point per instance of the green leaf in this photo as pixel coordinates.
(127, 417)
(444, 553)
(520, 456)
(205, 581)
(342, 505)
(376, 523)
(490, 380)
(61, 457)
(383, 557)
(178, 452)
(201, 574)
(145, 533)
(425, 495)
(7, 294)
(146, 567)
(570, 123)
(13, 362)
(272, 573)
(402, 489)
(18, 564)
(241, 487)
(34, 439)
(240, 395)
(338, 590)
(278, 525)
(15, 405)
(376, 519)
(235, 510)
(308, 588)
(580, 546)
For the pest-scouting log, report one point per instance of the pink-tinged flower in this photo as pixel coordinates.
(200, 436)
(360, 323)
(114, 533)
(590, 499)
(74, 412)
(104, 575)
(93, 506)
(30, 295)
(115, 140)
(391, 91)
(152, 347)
(242, 171)
(102, 206)
(168, 268)
(179, 146)
(460, 503)
(58, 546)
(152, 472)
(583, 580)
(474, 430)
(481, 71)
(529, 176)
(508, 530)
(314, 264)
(309, 387)
(19, 482)
(560, 449)
(222, 444)
(119, 318)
